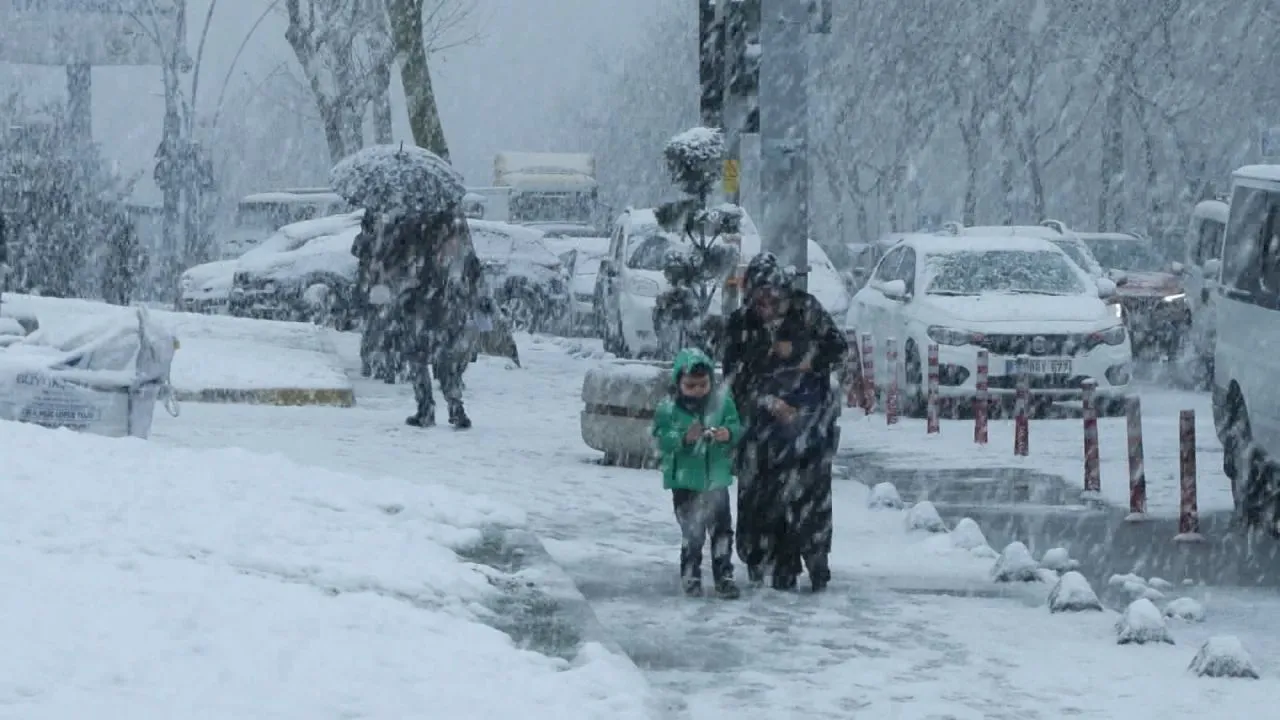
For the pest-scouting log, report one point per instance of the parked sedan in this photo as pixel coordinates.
(1020, 299)
(1150, 291)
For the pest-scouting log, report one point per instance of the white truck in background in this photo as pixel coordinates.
(548, 189)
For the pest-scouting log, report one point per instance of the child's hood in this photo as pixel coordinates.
(688, 359)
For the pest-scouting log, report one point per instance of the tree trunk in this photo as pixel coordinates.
(415, 73)
(1035, 176)
(382, 105)
(1111, 166)
(1007, 191)
(334, 127)
(969, 214)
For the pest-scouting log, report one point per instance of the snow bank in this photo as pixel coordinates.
(1015, 565)
(884, 496)
(1185, 608)
(1142, 623)
(1073, 594)
(157, 580)
(1058, 560)
(924, 516)
(1223, 656)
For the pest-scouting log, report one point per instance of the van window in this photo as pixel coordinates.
(1251, 253)
(1208, 241)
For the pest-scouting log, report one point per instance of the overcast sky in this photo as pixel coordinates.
(500, 93)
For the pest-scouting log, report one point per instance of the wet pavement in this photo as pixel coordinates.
(1043, 511)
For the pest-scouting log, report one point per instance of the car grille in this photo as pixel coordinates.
(1050, 345)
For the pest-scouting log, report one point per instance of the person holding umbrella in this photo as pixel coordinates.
(422, 266)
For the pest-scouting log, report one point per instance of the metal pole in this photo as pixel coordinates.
(80, 103)
(785, 26)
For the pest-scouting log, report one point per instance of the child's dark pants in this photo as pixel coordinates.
(702, 514)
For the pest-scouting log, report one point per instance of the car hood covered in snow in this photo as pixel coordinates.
(1017, 312)
(327, 255)
(518, 250)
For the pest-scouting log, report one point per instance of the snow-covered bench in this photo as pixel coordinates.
(101, 374)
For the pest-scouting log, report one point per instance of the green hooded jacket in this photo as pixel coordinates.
(702, 465)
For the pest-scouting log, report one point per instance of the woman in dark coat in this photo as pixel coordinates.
(779, 352)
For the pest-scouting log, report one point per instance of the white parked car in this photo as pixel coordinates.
(1015, 297)
(631, 279)
(1246, 394)
(1203, 263)
(581, 257)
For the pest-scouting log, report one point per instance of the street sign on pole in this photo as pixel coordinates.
(731, 177)
(1269, 143)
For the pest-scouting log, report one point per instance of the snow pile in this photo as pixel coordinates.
(1224, 656)
(10, 327)
(924, 516)
(968, 536)
(884, 496)
(1184, 608)
(1142, 623)
(1015, 565)
(398, 179)
(1160, 584)
(1072, 593)
(1058, 560)
(1136, 586)
(157, 580)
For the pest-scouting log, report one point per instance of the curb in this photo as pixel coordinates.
(283, 397)
(556, 582)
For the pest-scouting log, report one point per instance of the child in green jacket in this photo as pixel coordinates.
(695, 430)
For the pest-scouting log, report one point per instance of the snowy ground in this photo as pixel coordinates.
(1057, 447)
(893, 638)
(218, 352)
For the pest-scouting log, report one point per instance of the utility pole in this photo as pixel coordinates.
(785, 27)
(741, 22)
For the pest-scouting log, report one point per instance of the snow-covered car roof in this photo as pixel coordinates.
(1212, 210)
(327, 254)
(946, 245)
(566, 230)
(1265, 173)
(299, 196)
(504, 243)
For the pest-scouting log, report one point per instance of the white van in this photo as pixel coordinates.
(1246, 393)
(1203, 263)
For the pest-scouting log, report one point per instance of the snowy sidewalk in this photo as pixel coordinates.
(889, 639)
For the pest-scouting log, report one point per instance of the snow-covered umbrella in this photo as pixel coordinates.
(398, 180)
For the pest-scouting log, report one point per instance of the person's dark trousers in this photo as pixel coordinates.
(703, 514)
(804, 540)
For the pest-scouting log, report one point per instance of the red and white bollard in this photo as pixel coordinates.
(980, 398)
(868, 374)
(1092, 459)
(1022, 412)
(934, 424)
(852, 369)
(891, 398)
(1137, 460)
(1188, 510)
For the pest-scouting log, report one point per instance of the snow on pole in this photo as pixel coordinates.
(1092, 465)
(868, 374)
(1137, 462)
(891, 401)
(1188, 511)
(980, 399)
(852, 368)
(1021, 424)
(933, 422)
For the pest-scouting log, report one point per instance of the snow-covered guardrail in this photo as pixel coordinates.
(619, 399)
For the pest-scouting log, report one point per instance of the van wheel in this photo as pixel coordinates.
(1242, 463)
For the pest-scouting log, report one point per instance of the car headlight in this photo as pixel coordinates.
(949, 336)
(1177, 297)
(644, 287)
(1117, 310)
(1110, 336)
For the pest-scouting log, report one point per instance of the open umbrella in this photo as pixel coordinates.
(399, 180)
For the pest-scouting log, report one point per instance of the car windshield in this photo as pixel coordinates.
(651, 253)
(1130, 255)
(1077, 254)
(1037, 272)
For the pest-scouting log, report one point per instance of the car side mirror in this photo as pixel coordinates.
(895, 290)
(1106, 288)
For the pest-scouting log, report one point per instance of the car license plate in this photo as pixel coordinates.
(1039, 366)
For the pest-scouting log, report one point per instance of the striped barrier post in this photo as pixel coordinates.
(891, 400)
(1092, 459)
(981, 398)
(1022, 410)
(852, 370)
(868, 374)
(934, 424)
(1137, 460)
(1188, 510)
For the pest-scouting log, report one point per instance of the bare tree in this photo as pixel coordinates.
(418, 28)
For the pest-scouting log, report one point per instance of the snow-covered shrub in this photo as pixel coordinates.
(984, 552)
(1142, 623)
(1160, 584)
(1073, 594)
(884, 496)
(1015, 565)
(695, 160)
(1185, 608)
(1223, 656)
(967, 535)
(1058, 560)
(924, 516)
(1130, 578)
(1151, 594)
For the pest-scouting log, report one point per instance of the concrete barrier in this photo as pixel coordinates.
(619, 400)
(283, 397)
